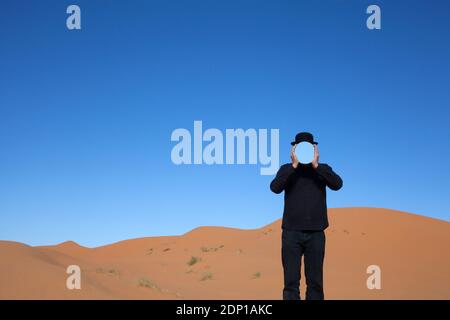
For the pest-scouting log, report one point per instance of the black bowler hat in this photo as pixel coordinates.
(304, 136)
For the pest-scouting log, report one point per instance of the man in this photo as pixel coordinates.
(304, 219)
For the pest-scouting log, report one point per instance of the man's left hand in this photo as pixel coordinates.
(315, 162)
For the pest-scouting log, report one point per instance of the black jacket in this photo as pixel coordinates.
(305, 205)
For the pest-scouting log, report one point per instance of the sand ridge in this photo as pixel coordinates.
(227, 263)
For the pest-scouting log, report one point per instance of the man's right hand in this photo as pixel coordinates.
(294, 157)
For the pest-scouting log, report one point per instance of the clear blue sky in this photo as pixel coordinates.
(86, 116)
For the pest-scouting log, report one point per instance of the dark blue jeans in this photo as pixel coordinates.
(310, 245)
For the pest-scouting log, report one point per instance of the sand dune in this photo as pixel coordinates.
(225, 263)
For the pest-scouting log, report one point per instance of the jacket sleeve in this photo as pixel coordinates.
(280, 182)
(332, 180)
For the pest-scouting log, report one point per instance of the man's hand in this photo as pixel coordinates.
(294, 157)
(315, 162)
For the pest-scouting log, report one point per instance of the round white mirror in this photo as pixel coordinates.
(304, 152)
